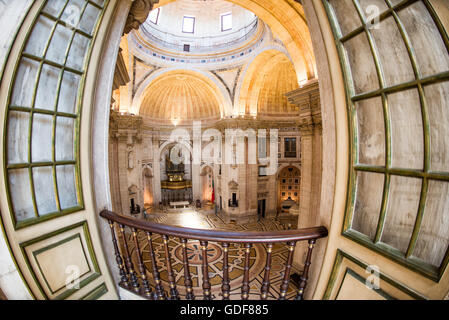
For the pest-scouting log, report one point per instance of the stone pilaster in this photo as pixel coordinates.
(307, 99)
(156, 172)
(126, 134)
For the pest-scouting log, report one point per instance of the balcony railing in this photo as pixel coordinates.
(146, 281)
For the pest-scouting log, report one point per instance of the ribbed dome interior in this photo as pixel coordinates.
(180, 96)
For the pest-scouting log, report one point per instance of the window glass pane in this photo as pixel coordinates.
(154, 16)
(69, 92)
(372, 8)
(394, 58)
(426, 40)
(371, 131)
(26, 76)
(262, 144)
(346, 14)
(47, 88)
(401, 213)
(89, 19)
(368, 203)
(67, 186)
(78, 52)
(290, 147)
(226, 22)
(433, 239)
(18, 123)
(407, 136)
(188, 24)
(360, 59)
(41, 144)
(72, 13)
(59, 44)
(45, 193)
(20, 191)
(54, 7)
(437, 97)
(64, 144)
(39, 37)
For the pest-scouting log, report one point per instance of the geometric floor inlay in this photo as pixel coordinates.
(236, 260)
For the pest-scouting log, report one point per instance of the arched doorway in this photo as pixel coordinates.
(288, 187)
(207, 184)
(147, 182)
(176, 173)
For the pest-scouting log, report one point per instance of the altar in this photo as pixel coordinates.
(179, 204)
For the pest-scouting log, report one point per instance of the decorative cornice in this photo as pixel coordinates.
(307, 92)
(126, 127)
(246, 122)
(138, 14)
(307, 99)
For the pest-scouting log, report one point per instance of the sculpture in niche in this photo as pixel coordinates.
(233, 185)
(132, 189)
(131, 157)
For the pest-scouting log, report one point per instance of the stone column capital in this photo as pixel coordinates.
(138, 14)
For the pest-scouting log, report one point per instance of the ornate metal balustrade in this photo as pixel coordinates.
(146, 281)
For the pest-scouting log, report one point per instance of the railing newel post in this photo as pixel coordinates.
(129, 263)
(288, 266)
(143, 272)
(305, 273)
(206, 283)
(118, 258)
(225, 287)
(187, 277)
(266, 280)
(160, 292)
(174, 295)
(245, 282)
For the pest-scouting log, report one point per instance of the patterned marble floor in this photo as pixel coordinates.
(194, 219)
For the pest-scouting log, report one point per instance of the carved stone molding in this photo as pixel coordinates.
(233, 185)
(138, 14)
(125, 126)
(307, 99)
(133, 189)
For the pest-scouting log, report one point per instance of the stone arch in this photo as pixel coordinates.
(186, 146)
(245, 69)
(294, 192)
(216, 87)
(266, 81)
(285, 165)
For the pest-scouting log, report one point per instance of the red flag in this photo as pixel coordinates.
(213, 191)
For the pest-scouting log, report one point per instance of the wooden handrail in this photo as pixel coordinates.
(218, 235)
(139, 280)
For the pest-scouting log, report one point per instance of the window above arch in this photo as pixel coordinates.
(188, 24)
(154, 15)
(226, 21)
